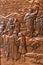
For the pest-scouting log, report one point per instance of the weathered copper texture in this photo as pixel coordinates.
(21, 32)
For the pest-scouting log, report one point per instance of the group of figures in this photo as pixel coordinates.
(13, 40)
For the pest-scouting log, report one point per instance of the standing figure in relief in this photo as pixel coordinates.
(39, 26)
(22, 46)
(13, 46)
(29, 18)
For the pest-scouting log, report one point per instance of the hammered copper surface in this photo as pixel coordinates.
(21, 32)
